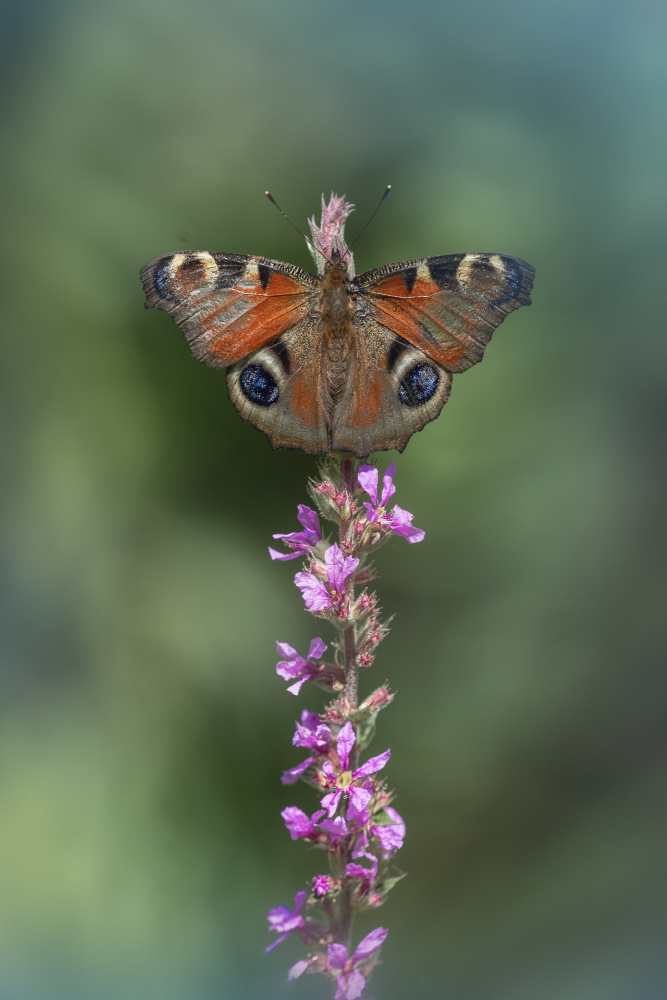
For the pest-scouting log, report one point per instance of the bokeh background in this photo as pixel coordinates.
(142, 727)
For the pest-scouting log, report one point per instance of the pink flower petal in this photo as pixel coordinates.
(395, 817)
(350, 985)
(335, 828)
(346, 740)
(315, 594)
(287, 651)
(371, 513)
(356, 817)
(298, 968)
(317, 647)
(361, 843)
(310, 521)
(372, 765)
(388, 488)
(369, 944)
(330, 801)
(286, 921)
(353, 870)
(339, 567)
(299, 824)
(283, 556)
(296, 821)
(390, 835)
(368, 480)
(401, 524)
(274, 944)
(310, 720)
(360, 796)
(337, 956)
(292, 776)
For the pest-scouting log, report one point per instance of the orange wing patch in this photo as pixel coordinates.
(410, 282)
(424, 326)
(241, 326)
(448, 306)
(228, 305)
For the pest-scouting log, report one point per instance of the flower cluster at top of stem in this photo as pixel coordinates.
(355, 824)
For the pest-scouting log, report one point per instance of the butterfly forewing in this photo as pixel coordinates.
(228, 305)
(447, 306)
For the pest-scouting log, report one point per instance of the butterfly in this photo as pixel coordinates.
(337, 363)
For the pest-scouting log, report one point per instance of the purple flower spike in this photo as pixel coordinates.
(295, 668)
(284, 921)
(301, 541)
(353, 824)
(350, 981)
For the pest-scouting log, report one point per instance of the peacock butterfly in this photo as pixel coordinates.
(337, 363)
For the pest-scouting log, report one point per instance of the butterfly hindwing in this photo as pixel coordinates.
(281, 390)
(228, 305)
(393, 389)
(448, 306)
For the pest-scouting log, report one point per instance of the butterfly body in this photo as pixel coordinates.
(334, 362)
(334, 328)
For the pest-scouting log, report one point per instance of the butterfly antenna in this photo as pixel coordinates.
(377, 208)
(302, 235)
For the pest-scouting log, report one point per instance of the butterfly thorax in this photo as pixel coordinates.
(336, 305)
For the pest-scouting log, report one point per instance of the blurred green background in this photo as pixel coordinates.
(143, 728)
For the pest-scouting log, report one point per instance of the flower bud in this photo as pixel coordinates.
(364, 606)
(330, 502)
